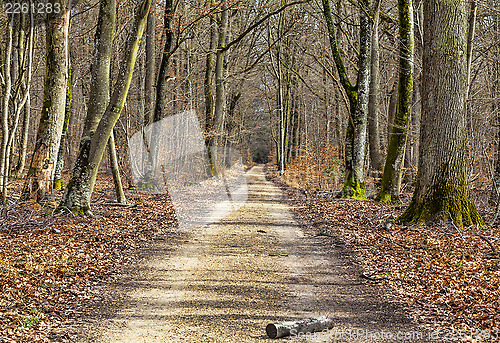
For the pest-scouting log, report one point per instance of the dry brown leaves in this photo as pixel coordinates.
(51, 266)
(450, 278)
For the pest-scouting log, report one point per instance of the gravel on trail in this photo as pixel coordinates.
(225, 282)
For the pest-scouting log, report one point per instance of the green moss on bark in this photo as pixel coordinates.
(58, 184)
(353, 189)
(384, 197)
(444, 201)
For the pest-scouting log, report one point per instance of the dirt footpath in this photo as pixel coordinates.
(225, 282)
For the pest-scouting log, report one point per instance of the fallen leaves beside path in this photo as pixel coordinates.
(51, 266)
(450, 278)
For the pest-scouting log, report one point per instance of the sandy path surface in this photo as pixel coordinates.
(225, 282)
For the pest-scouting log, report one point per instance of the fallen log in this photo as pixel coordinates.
(294, 328)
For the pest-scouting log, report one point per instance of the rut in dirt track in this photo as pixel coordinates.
(227, 281)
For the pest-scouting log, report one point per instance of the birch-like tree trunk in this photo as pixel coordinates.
(58, 182)
(393, 169)
(115, 170)
(41, 172)
(6, 94)
(442, 184)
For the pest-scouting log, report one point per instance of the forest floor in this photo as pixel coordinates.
(114, 279)
(449, 278)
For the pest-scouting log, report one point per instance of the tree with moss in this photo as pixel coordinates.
(358, 95)
(393, 169)
(58, 181)
(77, 196)
(442, 188)
(41, 171)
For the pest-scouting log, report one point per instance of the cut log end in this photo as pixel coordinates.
(272, 330)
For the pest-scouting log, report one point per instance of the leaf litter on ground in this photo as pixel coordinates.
(52, 266)
(449, 278)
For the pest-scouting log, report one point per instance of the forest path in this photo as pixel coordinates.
(226, 281)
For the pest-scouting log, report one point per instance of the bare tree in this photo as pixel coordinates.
(393, 169)
(358, 94)
(41, 172)
(77, 195)
(442, 184)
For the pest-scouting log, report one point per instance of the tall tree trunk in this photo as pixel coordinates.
(150, 68)
(220, 91)
(391, 111)
(22, 76)
(161, 86)
(373, 117)
(58, 181)
(355, 179)
(442, 185)
(209, 96)
(6, 90)
(161, 96)
(41, 172)
(355, 140)
(495, 94)
(99, 88)
(21, 163)
(80, 188)
(393, 169)
(115, 170)
(26, 47)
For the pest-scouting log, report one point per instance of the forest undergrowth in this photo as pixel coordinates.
(449, 278)
(52, 267)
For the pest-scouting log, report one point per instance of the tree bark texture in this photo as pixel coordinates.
(115, 170)
(150, 68)
(220, 90)
(355, 140)
(373, 117)
(495, 94)
(98, 97)
(209, 96)
(80, 188)
(295, 328)
(6, 94)
(23, 149)
(58, 182)
(354, 186)
(393, 169)
(161, 94)
(41, 171)
(23, 102)
(442, 188)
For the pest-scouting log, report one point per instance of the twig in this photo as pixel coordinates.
(492, 247)
(118, 204)
(391, 240)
